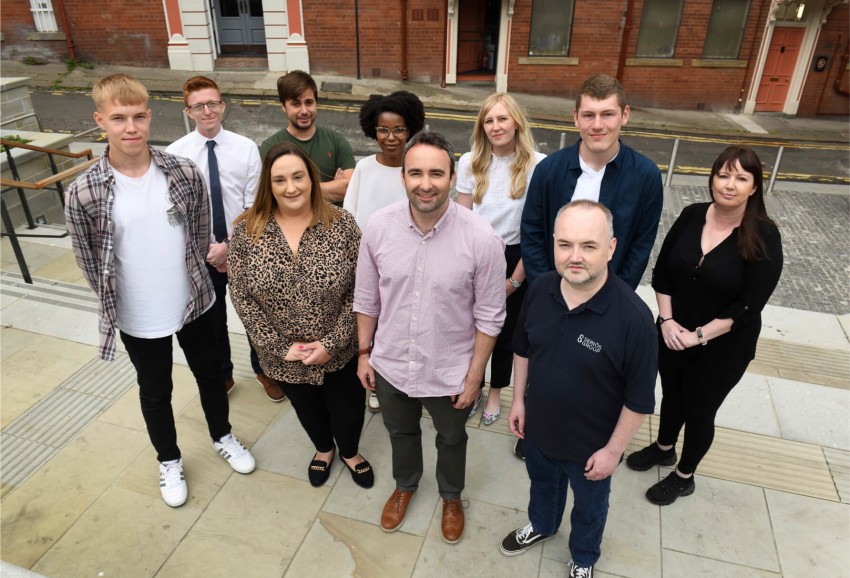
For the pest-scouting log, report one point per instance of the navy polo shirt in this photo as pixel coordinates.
(584, 365)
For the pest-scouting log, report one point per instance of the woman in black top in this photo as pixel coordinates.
(717, 268)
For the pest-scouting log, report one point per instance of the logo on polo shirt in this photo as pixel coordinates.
(589, 343)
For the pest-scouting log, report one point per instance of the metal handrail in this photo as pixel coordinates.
(53, 182)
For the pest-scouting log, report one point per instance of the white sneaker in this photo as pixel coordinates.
(172, 483)
(372, 403)
(236, 454)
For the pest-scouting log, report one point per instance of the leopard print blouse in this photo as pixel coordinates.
(283, 298)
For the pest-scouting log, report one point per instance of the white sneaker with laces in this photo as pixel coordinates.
(172, 482)
(236, 454)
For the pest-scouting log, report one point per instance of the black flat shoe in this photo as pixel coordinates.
(318, 472)
(362, 473)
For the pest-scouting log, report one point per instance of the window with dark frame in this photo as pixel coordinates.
(659, 28)
(551, 28)
(726, 29)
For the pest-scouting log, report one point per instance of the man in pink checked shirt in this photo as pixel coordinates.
(430, 279)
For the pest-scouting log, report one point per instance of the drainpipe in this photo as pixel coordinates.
(841, 69)
(624, 42)
(357, 35)
(72, 52)
(404, 40)
(445, 43)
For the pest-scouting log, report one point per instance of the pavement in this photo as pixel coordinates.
(79, 494)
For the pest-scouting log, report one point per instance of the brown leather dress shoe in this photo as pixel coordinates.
(273, 390)
(229, 384)
(452, 524)
(394, 510)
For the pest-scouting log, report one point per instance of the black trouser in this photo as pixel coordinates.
(220, 307)
(502, 360)
(692, 395)
(331, 411)
(152, 359)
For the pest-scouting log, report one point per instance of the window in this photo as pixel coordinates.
(726, 29)
(659, 26)
(551, 27)
(42, 15)
(791, 11)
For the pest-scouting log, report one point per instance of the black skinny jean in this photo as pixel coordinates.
(331, 411)
(153, 360)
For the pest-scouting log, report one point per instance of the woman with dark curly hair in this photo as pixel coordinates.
(376, 182)
(717, 268)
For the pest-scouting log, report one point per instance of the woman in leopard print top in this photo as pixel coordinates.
(291, 263)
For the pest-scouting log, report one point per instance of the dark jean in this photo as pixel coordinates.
(549, 481)
(152, 359)
(220, 311)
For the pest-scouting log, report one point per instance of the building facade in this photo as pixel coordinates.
(787, 56)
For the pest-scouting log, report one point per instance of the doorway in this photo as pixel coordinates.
(779, 68)
(477, 39)
(240, 27)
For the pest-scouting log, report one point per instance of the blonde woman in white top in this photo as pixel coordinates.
(492, 181)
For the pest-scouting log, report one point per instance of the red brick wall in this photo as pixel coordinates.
(119, 31)
(595, 41)
(116, 32)
(330, 36)
(819, 95)
(596, 38)
(16, 24)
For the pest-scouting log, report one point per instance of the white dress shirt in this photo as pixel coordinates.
(239, 168)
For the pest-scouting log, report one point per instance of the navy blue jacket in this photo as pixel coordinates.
(632, 191)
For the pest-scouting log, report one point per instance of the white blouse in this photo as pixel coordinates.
(502, 212)
(373, 186)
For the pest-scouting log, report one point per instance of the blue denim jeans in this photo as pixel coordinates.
(549, 481)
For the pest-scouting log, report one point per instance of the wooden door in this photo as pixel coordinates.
(779, 68)
(471, 26)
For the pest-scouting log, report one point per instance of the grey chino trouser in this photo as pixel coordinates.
(402, 415)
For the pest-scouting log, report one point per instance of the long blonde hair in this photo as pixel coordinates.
(482, 149)
(265, 204)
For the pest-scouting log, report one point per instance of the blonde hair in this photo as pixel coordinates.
(482, 149)
(118, 88)
(265, 204)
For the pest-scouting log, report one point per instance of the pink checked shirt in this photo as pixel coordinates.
(429, 293)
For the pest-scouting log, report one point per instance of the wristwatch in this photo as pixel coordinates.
(702, 340)
(514, 284)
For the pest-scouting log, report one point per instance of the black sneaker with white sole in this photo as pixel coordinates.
(519, 449)
(521, 540)
(577, 571)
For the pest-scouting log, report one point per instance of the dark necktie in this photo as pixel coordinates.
(219, 222)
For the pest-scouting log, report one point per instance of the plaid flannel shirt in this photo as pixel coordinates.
(88, 215)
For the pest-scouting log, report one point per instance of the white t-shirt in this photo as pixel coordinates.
(151, 281)
(589, 183)
(502, 212)
(373, 186)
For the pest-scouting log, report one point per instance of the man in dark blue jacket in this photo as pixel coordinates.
(598, 168)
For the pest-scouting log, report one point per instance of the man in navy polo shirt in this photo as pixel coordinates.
(586, 356)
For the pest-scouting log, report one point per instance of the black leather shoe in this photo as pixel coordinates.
(362, 473)
(318, 472)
